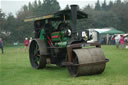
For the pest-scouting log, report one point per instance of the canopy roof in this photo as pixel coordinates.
(102, 30)
(109, 30)
(38, 18)
(67, 14)
(60, 15)
(113, 31)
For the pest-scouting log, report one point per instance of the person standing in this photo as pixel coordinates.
(26, 43)
(117, 40)
(122, 41)
(30, 40)
(113, 40)
(1, 45)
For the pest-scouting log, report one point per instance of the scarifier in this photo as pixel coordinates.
(63, 45)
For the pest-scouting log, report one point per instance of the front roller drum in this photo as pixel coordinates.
(87, 61)
(37, 60)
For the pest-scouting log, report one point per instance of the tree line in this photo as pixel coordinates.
(112, 14)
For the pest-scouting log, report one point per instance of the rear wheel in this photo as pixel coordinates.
(37, 60)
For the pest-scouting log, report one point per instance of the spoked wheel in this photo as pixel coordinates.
(37, 60)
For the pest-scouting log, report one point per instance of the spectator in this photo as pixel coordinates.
(30, 40)
(126, 41)
(113, 40)
(117, 40)
(26, 43)
(122, 41)
(1, 45)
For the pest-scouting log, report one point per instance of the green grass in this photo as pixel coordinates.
(15, 69)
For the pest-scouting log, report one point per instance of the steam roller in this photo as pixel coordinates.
(87, 61)
(65, 46)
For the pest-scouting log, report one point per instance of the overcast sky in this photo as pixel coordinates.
(15, 5)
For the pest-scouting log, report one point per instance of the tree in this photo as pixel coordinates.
(88, 6)
(88, 23)
(97, 5)
(50, 6)
(10, 27)
(35, 4)
(104, 5)
(10, 22)
(2, 21)
(30, 6)
(67, 7)
(2, 15)
(110, 5)
(39, 3)
(121, 10)
(118, 2)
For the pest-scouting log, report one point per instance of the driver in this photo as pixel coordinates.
(66, 27)
(38, 26)
(48, 28)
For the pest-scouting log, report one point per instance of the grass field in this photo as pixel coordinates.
(15, 69)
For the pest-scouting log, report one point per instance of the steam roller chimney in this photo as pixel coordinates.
(74, 18)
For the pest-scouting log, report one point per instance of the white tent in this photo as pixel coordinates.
(102, 30)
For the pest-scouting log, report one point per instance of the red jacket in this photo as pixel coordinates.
(26, 42)
(121, 40)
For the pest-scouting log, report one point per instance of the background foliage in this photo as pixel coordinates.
(113, 14)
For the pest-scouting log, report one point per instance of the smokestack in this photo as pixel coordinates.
(74, 18)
